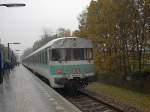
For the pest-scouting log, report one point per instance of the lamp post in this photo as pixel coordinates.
(12, 5)
(9, 48)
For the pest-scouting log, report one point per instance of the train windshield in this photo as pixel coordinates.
(72, 54)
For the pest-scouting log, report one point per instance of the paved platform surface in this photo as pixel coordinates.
(23, 92)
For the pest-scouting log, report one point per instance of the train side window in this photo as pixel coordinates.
(55, 54)
(40, 58)
(85, 54)
(62, 54)
(81, 54)
(68, 54)
(43, 57)
(46, 57)
(50, 54)
(78, 54)
(33, 59)
(36, 58)
(89, 53)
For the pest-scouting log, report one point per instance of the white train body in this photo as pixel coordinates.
(63, 60)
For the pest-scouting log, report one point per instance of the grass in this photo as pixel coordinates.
(135, 99)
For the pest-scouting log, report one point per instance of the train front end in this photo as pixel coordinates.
(72, 63)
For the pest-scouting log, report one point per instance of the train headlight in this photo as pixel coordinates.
(59, 72)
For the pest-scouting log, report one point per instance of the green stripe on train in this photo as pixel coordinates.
(69, 69)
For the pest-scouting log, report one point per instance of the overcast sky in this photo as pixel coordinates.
(25, 24)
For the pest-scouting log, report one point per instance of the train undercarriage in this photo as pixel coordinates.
(75, 83)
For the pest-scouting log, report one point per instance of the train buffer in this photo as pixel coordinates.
(23, 92)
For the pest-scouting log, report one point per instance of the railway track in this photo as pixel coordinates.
(87, 103)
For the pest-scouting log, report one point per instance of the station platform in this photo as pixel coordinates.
(24, 92)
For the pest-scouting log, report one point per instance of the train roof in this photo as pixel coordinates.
(55, 43)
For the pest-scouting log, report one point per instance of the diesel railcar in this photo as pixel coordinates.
(66, 61)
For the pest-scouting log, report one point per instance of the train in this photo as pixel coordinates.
(64, 62)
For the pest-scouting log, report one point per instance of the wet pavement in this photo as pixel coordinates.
(23, 92)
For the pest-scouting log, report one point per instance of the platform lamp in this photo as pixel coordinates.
(13, 5)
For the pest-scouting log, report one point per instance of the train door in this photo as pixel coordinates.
(58, 60)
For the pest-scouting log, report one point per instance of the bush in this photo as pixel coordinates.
(110, 78)
(137, 81)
